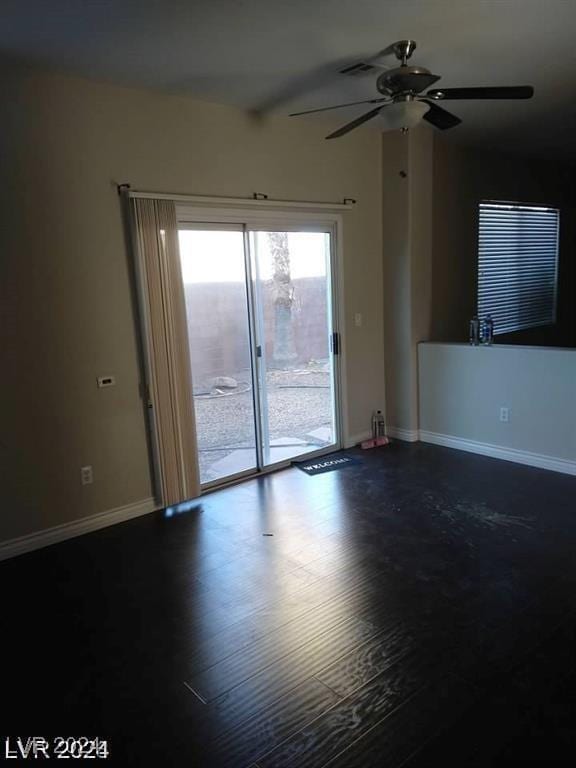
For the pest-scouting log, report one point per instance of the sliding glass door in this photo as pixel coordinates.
(291, 275)
(260, 316)
(214, 274)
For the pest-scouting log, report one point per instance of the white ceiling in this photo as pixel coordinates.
(283, 55)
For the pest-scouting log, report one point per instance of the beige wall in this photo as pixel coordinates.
(67, 315)
(464, 177)
(431, 191)
(407, 168)
(397, 276)
(463, 388)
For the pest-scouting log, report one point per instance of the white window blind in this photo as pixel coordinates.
(517, 265)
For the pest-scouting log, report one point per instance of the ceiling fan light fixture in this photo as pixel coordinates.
(404, 105)
(404, 114)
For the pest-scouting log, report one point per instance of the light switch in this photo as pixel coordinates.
(358, 320)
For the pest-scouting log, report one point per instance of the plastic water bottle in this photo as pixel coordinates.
(381, 428)
(482, 332)
(474, 331)
(488, 330)
(375, 424)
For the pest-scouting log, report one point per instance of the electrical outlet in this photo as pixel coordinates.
(106, 381)
(86, 475)
(505, 414)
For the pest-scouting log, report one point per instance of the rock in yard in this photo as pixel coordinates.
(225, 382)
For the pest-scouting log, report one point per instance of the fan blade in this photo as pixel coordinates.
(514, 92)
(440, 117)
(338, 106)
(355, 123)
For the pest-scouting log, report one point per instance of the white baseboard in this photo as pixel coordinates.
(541, 461)
(409, 435)
(40, 539)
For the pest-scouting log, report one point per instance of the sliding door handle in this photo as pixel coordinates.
(335, 343)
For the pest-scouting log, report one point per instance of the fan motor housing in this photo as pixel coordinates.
(405, 80)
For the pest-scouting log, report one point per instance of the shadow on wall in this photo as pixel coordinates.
(463, 177)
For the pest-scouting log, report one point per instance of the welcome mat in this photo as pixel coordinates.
(324, 464)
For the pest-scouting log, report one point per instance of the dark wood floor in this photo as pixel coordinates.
(416, 609)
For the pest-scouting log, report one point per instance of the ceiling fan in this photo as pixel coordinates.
(402, 102)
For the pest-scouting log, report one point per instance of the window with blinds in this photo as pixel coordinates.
(517, 265)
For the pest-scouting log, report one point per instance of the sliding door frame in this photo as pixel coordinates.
(282, 220)
(255, 321)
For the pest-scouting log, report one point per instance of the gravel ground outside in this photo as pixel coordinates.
(299, 401)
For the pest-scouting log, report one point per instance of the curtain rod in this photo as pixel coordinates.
(258, 200)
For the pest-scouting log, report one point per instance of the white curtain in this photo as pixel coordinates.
(167, 352)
